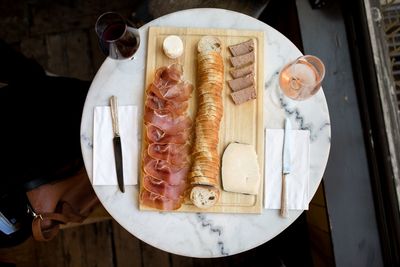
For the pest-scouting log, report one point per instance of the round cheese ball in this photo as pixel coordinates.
(173, 46)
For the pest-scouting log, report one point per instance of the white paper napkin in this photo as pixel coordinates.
(103, 151)
(298, 179)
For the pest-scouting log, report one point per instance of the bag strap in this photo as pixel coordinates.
(42, 233)
(45, 235)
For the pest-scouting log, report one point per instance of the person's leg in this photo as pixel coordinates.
(15, 67)
(41, 119)
(40, 134)
(41, 127)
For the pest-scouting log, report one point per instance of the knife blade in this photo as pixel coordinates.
(117, 143)
(286, 148)
(286, 166)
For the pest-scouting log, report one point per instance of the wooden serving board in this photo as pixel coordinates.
(240, 123)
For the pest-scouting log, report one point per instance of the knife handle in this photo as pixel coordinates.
(284, 210)
(114, 114)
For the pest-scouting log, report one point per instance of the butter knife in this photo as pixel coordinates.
(286, 166)
(117, 143)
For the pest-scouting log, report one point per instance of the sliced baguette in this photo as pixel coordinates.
(204, 196)
(208, 44)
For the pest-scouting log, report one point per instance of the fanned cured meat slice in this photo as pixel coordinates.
(161, 166)
(171, 91)
(162, 188)
(159, 105)
(166, 122)
(157, 135)
(179, 92)
(166, 149)
(159, 202)
(168, 74)
(168, 84)
(173, 153)
(165, 171)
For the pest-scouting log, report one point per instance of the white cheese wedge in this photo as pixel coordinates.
(173, 46)
(240, 170)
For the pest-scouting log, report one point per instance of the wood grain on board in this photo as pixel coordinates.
(240, 123)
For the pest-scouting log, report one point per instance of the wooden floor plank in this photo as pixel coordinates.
(49, 254)
(51, 16)
(97, 57)
(57, 61)
(153, 257)
(158, 8)
(88, 245)
(35, 48)
(321, 245)
(248, 258)
(316, 216)
(23, 255)
(78, 55)
(319, 197)
(14, 25)
(127, 247)
(215, 262)
(181, 261)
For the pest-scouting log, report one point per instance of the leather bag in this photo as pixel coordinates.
(71, 199)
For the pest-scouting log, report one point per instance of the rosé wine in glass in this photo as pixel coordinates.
(302, 78)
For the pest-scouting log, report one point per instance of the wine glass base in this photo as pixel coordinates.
(275, 95)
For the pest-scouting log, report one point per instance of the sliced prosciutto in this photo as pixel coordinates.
(159, 202)
(164, 189)
(175, 154)
(178, 92)
(159, 105)
(167, 149)
(166, 122)
(165, 171)
(168, 76)
(155, 134)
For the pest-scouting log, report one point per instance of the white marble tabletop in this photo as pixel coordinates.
(205, 234)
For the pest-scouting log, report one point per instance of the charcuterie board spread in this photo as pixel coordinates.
(203, 133)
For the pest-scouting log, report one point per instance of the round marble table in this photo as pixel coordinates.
(204, 234)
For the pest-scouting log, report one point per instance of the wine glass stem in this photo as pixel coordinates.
(295, 83)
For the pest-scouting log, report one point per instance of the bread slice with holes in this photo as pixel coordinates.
(208, 44)
(204, 196)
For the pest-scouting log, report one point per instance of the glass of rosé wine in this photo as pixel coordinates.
(116, 38)
(301, 78)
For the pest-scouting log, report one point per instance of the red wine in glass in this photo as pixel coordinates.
(117, 39)
(113, 32)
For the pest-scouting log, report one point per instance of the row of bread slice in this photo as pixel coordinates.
(204, 175)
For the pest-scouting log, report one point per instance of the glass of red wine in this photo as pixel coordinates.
(117, 39)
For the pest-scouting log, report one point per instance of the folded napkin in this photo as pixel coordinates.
(103, 150)
(298, 179)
